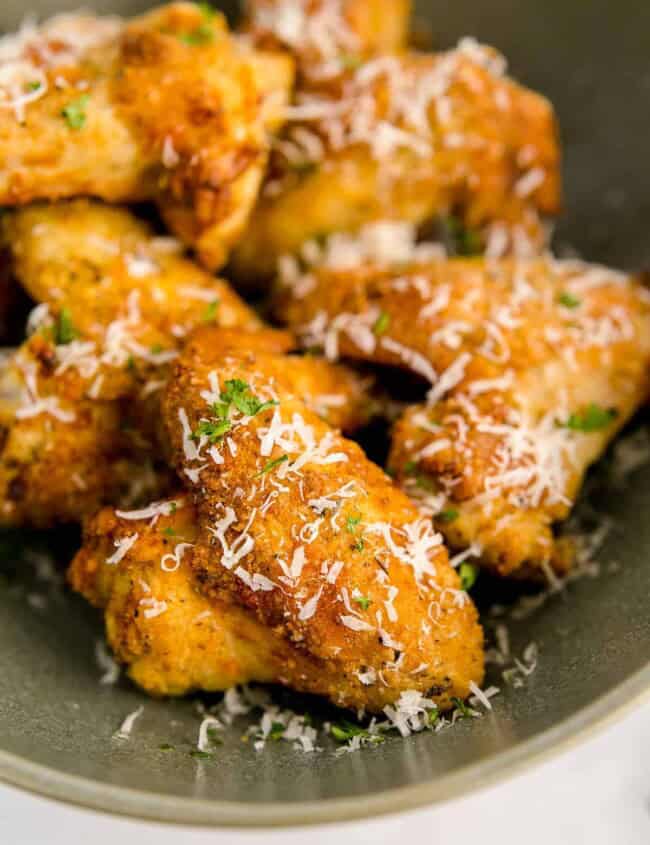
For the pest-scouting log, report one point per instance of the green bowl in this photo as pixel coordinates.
(57, 722)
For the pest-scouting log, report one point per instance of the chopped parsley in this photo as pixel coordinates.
(203, 34)
(468, 573)
(200, 755)
(277, 731)
(213, 736)
(464, 241)
(74, 113)
(410, 467)
(165, 747)
(448, 515)
(350, 61)
(33, 86)
(237, 394)
(156, 349)
(212, 430)
(272, 465)
(434, 715)
(211, 311)
(351, 524)
(169, 532)
(345, 730)
(359, 545)
(363, 601)
(64, 329)
(593, 418)
(463, 711)
(381, 324)
(568, 300)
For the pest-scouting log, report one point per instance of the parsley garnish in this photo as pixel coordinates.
(410, 467)
(461, 708)
(381, 324)
(344, 731)
(359, 545)
(363, 601)
(237, 393)
(210, 312)
(434, 715)
(165, 747)
(33, 86)
(568, 300)
(464, 241)
(594, 418)
(200, 755)
(169, 532)
(468, 574)
(212, 430)
(64, 330)
(277, 731)
(156, 349)
(448, 515)
(349, 61)
(203, 34)
(74, 113)
(272, 465)
(351, 524)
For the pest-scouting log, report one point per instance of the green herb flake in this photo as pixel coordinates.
(206, 10)
(272, 465)
(593, 418)
(33, 86)
(568, 300)
(210, 313)
(448, 515)
(410, 467)
(464, 241)
(238, 393)
(74, 113)
(461, 708)
(381, 324)
(212, 430)
(350, 61)
(156, 349)
(169, 532)
(345, 730)
(64, 330)
(468, 573)
(277, 731)
(363, 601)
(433, 717)
(359, 545)
(200, 755)
(203, 34)
(165, 747)
(351, 524)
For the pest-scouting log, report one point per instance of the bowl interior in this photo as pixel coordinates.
(57, 722)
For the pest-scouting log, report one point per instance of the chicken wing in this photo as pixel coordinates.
(297, 526)
(167, 107)
(534, 366)
(410, 137)
(327, 37)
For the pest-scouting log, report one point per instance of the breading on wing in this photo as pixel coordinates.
(79, 409)
(410, 137)
(327, 37)
(165, 107)
(173, 639)
(129, 296)
(534, 366)
(296, 525)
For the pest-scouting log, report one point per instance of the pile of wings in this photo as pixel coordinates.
(390, 210)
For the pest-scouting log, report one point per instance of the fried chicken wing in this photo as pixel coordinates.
(167, 107)
(535, 366)
(410, 137)
(297, 526)
(173, 639)
(327, 37)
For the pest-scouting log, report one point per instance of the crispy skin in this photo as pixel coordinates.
(71, 456)
(171, 111)
(269, 533)
(103, 266)
(328, 36)
(514, 349)
(193, 643)
(411, 137)
(79, 419)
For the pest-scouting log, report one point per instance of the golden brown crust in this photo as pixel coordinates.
(166, 107)
(519, 354)
(275, 520)
(410, 138)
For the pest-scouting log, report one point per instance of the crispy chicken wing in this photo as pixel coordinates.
(327, 37)
(167, 107)
(535, 365)
(410, 137)
(297, 526)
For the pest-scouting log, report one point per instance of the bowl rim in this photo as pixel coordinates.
(200, 812)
